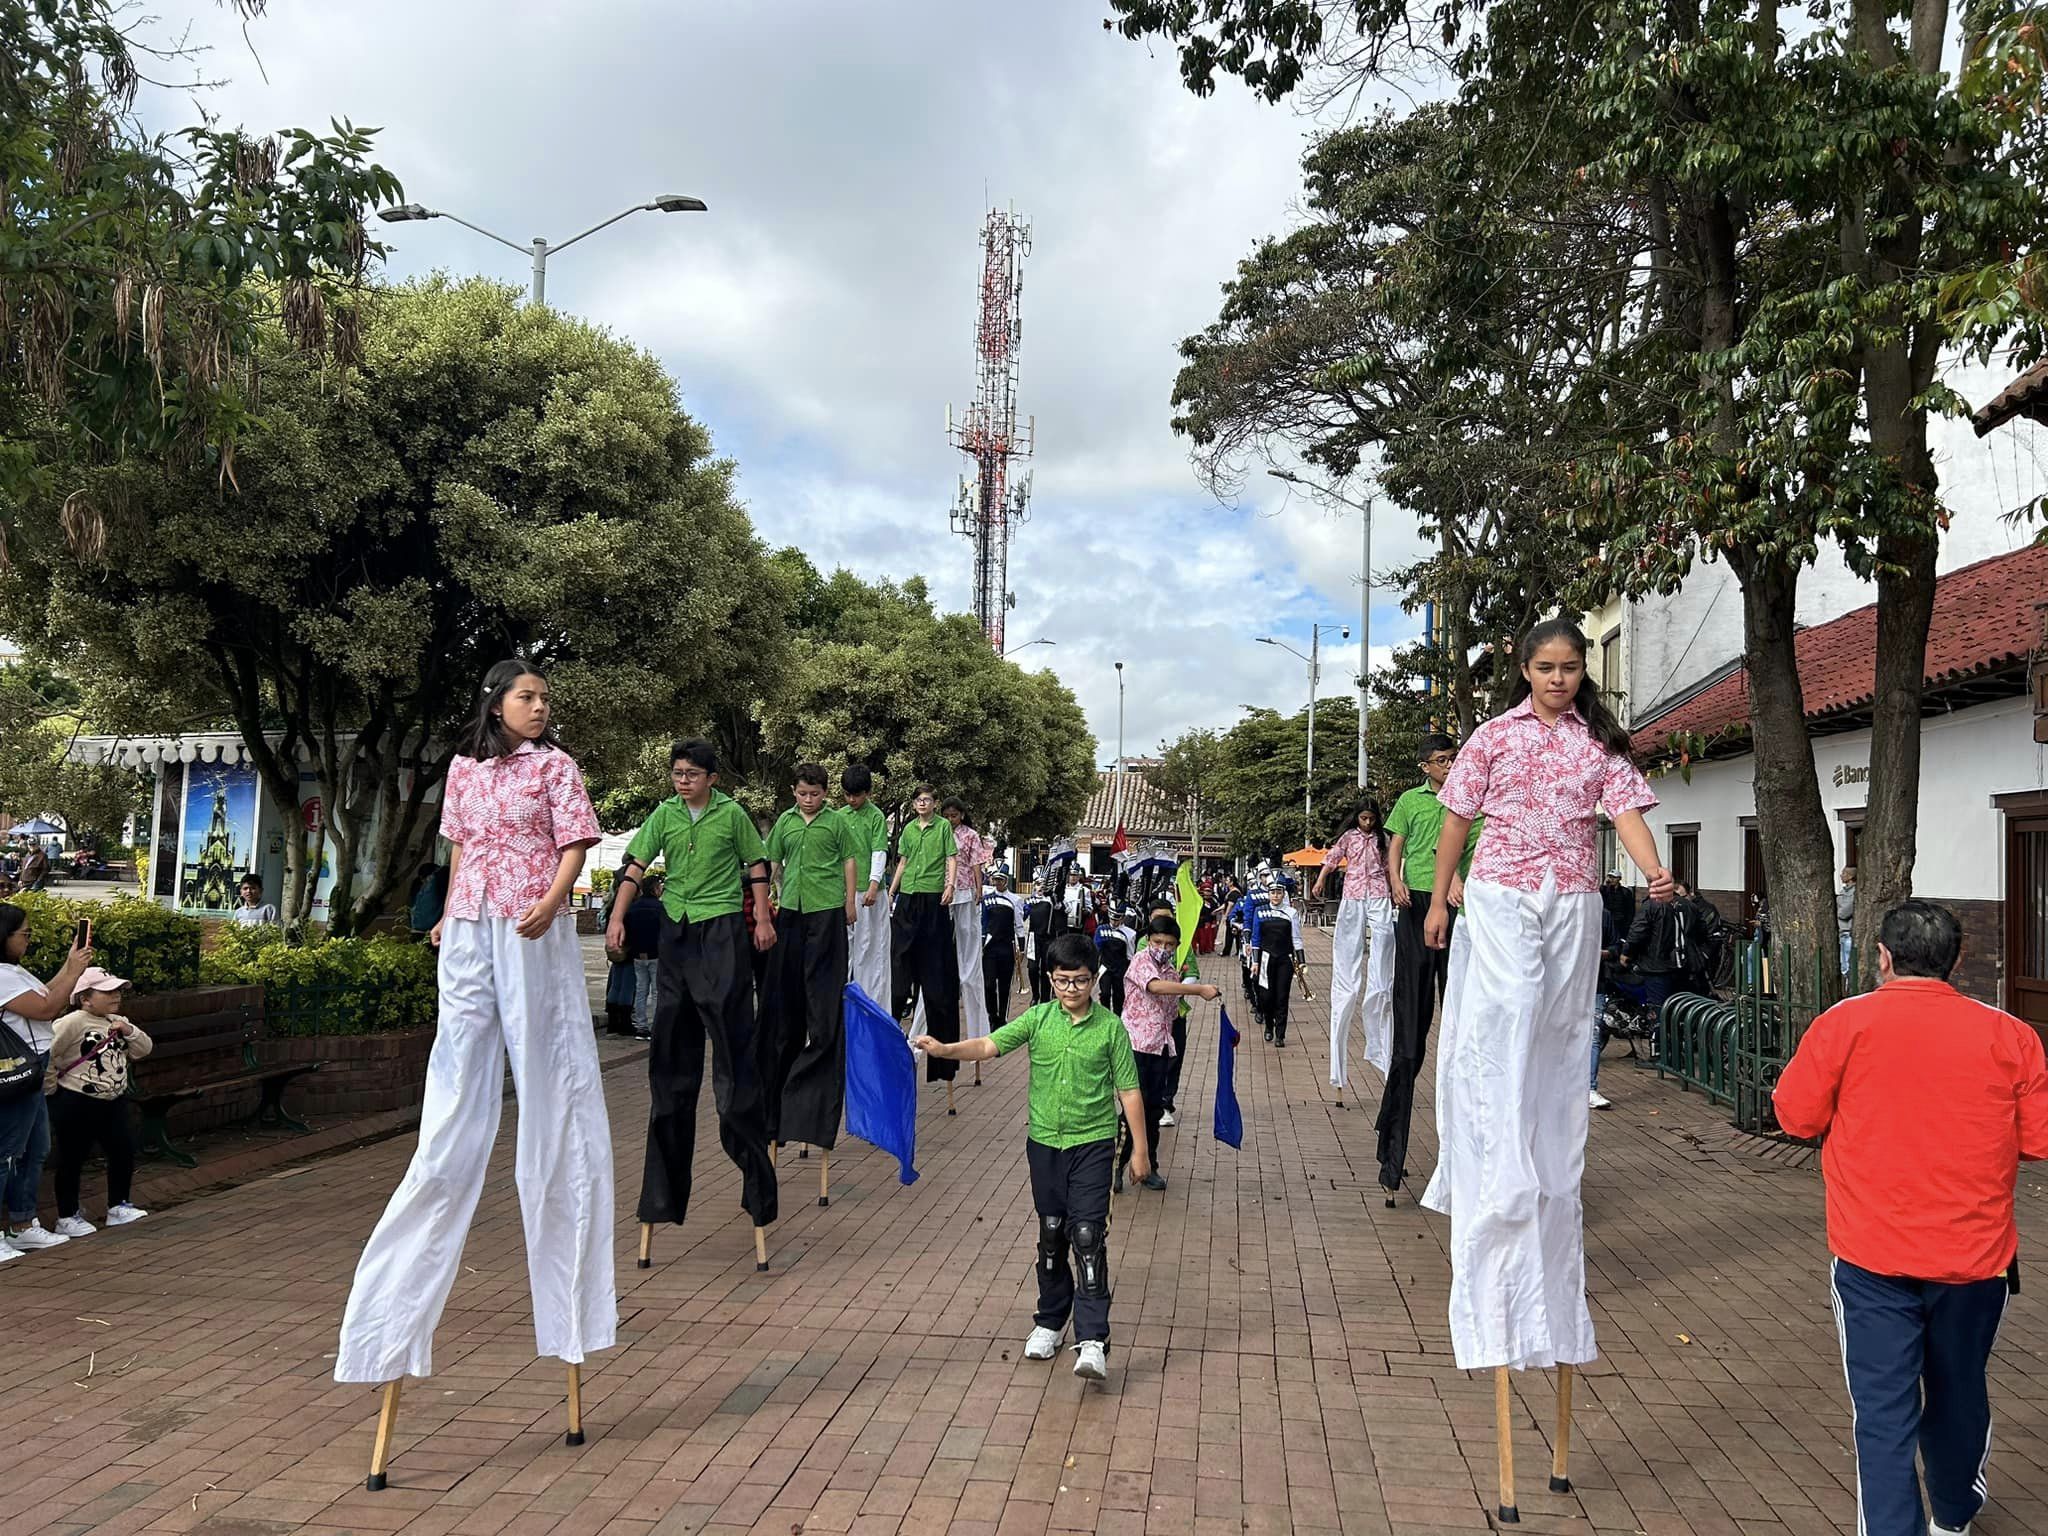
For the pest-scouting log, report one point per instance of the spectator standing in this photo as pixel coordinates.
(1920, 1211)
(254, 912)
(1845, 914)
(88, 1082)
(29, 1009)
(1653, 946)
(35, 868)
(643, 949)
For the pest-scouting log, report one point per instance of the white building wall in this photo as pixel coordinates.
(1674, 641)
(1966, 759)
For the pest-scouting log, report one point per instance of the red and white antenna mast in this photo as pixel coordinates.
(988, 505)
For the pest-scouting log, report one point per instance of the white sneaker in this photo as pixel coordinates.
(7, 1254)
(1166, 1120)
(1598, 1100)
(1043, 1344)
(34, 1236)
(1943, 1530)
(75, 1226)
(1091, 1360)
(120, 1215)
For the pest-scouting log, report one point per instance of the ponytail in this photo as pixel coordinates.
(1601, 723)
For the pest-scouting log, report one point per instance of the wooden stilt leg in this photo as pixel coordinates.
(1560, 1458)
(949, 1096)
(575, 1435)
(646, 1244)
(825, 1177)
(760, 1248)
(773, 1148)
(803, 1151)
(387, 1425)
(1503, 1416)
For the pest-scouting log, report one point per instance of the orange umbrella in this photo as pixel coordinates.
(1304, 858)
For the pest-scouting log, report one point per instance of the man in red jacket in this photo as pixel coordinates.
(1920, 1211)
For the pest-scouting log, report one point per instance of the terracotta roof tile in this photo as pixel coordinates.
(1984, 622)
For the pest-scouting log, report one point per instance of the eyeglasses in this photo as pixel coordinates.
(1440, 759)
(1072, 983)
(687, 775)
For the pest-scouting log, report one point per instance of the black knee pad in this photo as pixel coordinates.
(1091, 1259)
(1052, 1241)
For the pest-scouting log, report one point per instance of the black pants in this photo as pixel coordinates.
(1278, 991)
(1174, 1062)
(704, 989)
(78, 1123)
(1230, 938)
(801, 1042)
(998, 970)
(1070, 1191)
(1041, 978)
(1419, 974)
(927, 963)
(1113, 987)
(1153, 1072)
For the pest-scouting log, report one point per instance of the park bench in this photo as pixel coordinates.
(202, 1054)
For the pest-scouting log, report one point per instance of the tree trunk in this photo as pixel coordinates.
(1791, 823)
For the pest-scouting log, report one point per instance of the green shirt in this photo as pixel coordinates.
(870, 830)
(924, 851)
(704, 858)
(813, 857)
(1418, 817)
(1077, 1070)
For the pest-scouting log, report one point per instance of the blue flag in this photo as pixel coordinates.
(881, 1082)
(1229, 1120)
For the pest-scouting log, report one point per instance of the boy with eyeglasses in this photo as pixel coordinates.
(1082, 1068)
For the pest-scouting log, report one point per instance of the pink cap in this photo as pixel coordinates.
(93, 979)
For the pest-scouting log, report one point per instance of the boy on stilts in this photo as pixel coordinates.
(1081, 1072)
(927, 965)
(704, 989)
(868, 945)
(1518, 1014)
(812, 854)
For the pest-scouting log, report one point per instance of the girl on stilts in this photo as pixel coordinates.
(974, 853)
(512, 985)
(1518, 1012)
(1362, 953)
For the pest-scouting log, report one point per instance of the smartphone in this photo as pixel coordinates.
(81, 936)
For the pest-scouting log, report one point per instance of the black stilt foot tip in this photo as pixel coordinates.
(375, 1482)
(574, 1437)
(823, 1201)
(952, 1111)
(1560, 1485)
(1390, 1202)
(1509, 1515)
(761, 1268)
(803, 1152)
(649, 1263)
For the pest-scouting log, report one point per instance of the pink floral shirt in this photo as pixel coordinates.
(1540, 788)
(1365, 873)
(972, 853)
(1148, 1016)
(512, 817)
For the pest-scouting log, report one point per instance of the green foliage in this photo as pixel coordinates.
(148, 945)
(332, 986)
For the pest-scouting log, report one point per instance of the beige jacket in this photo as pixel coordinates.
(102, 1073)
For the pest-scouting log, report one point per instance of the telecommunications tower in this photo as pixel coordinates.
(988, 505)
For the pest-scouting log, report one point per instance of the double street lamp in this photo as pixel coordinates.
(1314, 660)
(540, 250)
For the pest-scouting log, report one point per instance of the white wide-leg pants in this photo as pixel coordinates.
(867, 954)
(1362, 984)
(1511, 1122)
(966, 918)
(501, 996)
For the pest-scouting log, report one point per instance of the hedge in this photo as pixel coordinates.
(329, 986)
(148, 945)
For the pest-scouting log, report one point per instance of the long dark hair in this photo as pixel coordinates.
(1593, 709)
(11, 919)
(1359, 807)
(484, 736)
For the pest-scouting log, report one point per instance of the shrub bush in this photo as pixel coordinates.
(329, 986)
(148, 945)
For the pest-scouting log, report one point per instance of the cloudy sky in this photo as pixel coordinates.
(820, 317)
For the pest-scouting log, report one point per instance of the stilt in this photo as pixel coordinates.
(1503, 1416)
(774, 1147)
(949, 1096)
(760, 1248)
(380, 1453)
(646, 1244)
(977, 1074)
(1560, 1458)
(825, 1177)
(1390, 1202)
(803, 1151)
(575, 1435)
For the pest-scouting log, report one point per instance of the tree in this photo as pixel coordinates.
(492, 480)
(38, 723)
(139, 267)
(1187, 772)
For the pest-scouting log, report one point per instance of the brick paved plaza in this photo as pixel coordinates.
(1281, 1360)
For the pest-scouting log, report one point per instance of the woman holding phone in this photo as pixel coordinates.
(30, 1010)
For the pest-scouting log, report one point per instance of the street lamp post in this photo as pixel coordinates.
(1041, 640)
(1314, 660)
(539, 249)
(1364, 605)
(1119, 797)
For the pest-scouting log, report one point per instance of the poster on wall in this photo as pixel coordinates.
(313, 826)
(218, 842)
